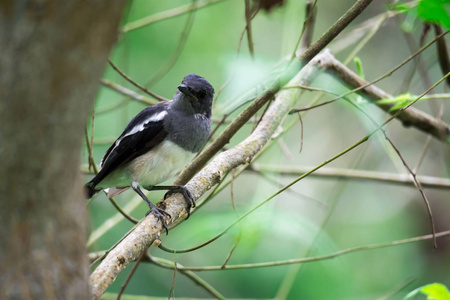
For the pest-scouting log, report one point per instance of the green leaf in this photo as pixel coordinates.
(436, 291)
(400, 101)
(359, 66)
(400, 6)
(435, 11)
(433, 291)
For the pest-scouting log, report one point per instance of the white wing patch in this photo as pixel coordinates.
(141, 126)
(153, 118)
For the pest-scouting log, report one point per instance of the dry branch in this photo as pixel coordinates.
(336, 173)
(148, 231)
(409, 117)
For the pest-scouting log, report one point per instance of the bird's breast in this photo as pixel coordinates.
(159, 164)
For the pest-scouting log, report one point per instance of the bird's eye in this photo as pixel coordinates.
(201, 94)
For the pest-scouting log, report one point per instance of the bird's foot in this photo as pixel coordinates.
(160, 214)
(187, 197)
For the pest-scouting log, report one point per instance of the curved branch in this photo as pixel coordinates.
(271, 90)
(410, 117)
(148, 231)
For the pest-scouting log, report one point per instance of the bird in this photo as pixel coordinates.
(156, 144)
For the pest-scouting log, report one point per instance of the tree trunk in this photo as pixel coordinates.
(52, 54)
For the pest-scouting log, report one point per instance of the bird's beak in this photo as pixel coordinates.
(184, 89)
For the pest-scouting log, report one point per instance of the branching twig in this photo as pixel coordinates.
(410, 117)
(309, 22)
(191, 275)
(269, 92)
(237, 215)
(419, 187)
(142, 88)
(368, 84)
(248, 20)
(301, 260)
(164, 69)
(149, 229)
(317, 258)
(166, 15)
(127, 92)
(398, 179)
(310, 12)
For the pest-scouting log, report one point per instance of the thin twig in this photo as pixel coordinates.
(120, 210)
(335, 29)
(310, 12)
(412, 116)
(269, 93)
(112, 107)
(94, 166)
(365, 40)
(360, 142)
(164, 69)
(172, 288)
(142, 88)
(91, 148)
(316, 258)
(278, 184)
(419, 61)
(237, 215)
(107, 271)
(166, 15)
(248, 20)
(127, 92)
(426, 146)
(136, 264)
(301, 132)
(419, 187)
(414, 178)
(91, 163)
(237, 56)
(191, 275)
(376, 80)
(392, 178)
(396, 289)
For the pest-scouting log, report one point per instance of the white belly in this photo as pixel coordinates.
(152, 168)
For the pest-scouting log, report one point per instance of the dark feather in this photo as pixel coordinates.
(132, 144)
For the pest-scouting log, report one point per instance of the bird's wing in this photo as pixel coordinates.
(144, 132)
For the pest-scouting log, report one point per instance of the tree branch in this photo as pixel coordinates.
(164, 15)
(127, 92)
(400, 179)
(269, 92)
(149, 229)
(409, 117)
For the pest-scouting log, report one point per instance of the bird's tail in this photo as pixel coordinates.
(90, 189)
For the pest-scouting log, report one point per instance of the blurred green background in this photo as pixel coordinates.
(317, 215)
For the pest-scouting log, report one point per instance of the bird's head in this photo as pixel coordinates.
(196, 92)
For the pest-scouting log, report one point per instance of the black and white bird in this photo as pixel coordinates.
(157, 143)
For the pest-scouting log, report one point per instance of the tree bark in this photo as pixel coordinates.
(148, 231)
(52, 54)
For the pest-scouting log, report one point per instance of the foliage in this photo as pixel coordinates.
(318, 215)
(429, 11)
(433, 291)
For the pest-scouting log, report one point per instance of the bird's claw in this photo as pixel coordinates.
(160, 214)
(187, 197)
